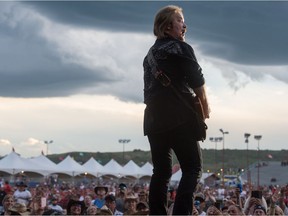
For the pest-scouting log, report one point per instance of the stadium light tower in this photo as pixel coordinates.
(216, 140)
(258, 138)
(223, 156)
(246, 136)
(47, 143)
(124, 141)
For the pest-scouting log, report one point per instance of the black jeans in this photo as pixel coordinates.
(188, 153)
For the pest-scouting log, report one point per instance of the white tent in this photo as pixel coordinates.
(147, 169)
(70, 167)
(177, 176)
(47, 164)
(132, 169)
(113, 168)
(13, 164)
(93, 167)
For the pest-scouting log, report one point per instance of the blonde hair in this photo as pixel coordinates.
(163, 19)
(6, 197)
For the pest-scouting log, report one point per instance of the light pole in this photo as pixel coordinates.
(258, 137)
(216, 140)
(246, 136)
(47, 143)
(124, 141)
(223, 147)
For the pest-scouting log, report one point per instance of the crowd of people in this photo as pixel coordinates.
(66, 199)
(132, 199)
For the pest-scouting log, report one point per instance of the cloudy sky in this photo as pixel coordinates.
(72, 72)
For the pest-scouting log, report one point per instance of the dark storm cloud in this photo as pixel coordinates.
(63, 81)
(110, 15)
(31, 67)
(246, 32)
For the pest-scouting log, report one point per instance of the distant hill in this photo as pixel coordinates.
(234, 160)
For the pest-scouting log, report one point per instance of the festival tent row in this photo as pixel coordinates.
(13, 164)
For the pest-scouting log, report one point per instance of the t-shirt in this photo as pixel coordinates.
(99, 203)
(22, 196)
(56, 207)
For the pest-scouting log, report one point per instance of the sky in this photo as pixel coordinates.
(72, 72)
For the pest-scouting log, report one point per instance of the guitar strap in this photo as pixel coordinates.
(165, 80)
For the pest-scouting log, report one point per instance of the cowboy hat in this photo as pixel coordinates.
(73, 202)
(19, 208)
(131, 196)
(101, 186)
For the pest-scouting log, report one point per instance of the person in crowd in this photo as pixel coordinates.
(171, 196)
(91, 210)
(7, 202)
(251, 203)
(276, 200)
(130, 204)
(52, 212)
(38, 205)
(22, 195)
(281, 201)
(142, 208)
(120, 197)
(100, 192)
(2, 195)
(88, 201)
(224, 210)
(227, 203)
(200, 204)
(235, 210)
(259, 210)
(18, 209)
(66, 195)
(142, 195)
(277, 211)
(210, 198)
(110, 202)
(236, 197)
(7, 187)
(105, 211)
(169, 122)
(54, 204)
(213, 210)
(75, 207)
(195, 211)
